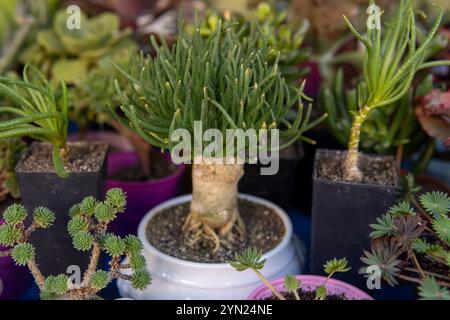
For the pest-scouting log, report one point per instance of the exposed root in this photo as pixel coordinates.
(196, 232)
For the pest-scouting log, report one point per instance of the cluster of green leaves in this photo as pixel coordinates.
(87, 226)
(38, 112)
(220, 80)
(386, 129)
(69, 54)
(13, 232)
(392, 58)
(405, 232)
(275, 35)
(252, 259)
(88, 229)
(11, 151)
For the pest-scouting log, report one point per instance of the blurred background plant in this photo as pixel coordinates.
(11, 151)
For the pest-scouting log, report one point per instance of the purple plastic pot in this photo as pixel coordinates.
(141, 196)
(14, 280)
(311, 283)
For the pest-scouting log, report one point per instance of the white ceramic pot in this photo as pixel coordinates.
(176, 279)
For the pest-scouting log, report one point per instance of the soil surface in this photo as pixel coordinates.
(379, 170)
(306, 295)
(83, 157)
(159, 169)
(264, 230)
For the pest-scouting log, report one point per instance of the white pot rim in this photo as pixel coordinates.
(187, 198)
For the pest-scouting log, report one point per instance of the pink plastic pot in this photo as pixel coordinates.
(311, 283)
(141, 196)
(14, 280)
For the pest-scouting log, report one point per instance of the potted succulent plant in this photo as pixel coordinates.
(83, 59)
(302, 287)
(363, 185)
(67, 172)
(411, 243)
(88, 229)
(230, 87)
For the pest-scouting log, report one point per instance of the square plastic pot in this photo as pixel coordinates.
(54, 249)
(341, 215)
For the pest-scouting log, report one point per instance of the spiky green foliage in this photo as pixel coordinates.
(100, 279)
(15, 214)
(436, 203)
(83, 240)
(429, 289)
(9, 235)
(391, 60)
(87, 206)
(116, 198)
(321, 293)
(220, 80)
(291, 283)
(387, 128)
(22, 253)
(77, 224)
(133, 245)
(55, 286)
(38, 112)
(403, 234)
(138, 262)
(250, 259)
(43, 217)
(336, 265)
(141, 279)
(114, 245)
(87, 233)
(104, 212)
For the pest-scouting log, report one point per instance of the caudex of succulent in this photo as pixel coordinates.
(223, 82)
(252, 259)
(88, 228)
(411, 242)
(38, 113)
(393, 55)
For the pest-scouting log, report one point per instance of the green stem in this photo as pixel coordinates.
(351, 170)
(269, 285)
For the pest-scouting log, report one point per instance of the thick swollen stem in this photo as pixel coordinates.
(95, 255)
(214, 209)
(215, 193)
(351, 169)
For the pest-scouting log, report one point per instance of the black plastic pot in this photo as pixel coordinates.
(54, 249)
(341, 215)
(279, 188)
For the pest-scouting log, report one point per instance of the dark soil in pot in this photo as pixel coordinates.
(160, 168)
(264, 230)
(378, 170)
(40, 186)
(306, 295)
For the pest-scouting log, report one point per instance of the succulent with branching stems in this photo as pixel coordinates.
(252, 259)
(391, 60)
(411, 242)
(39, 113)
(224, 83)
(88, 228)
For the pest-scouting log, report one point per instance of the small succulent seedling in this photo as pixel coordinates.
(252, 259)
(39, 113)
(410, 237)
(392, 58)
(88, 229)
